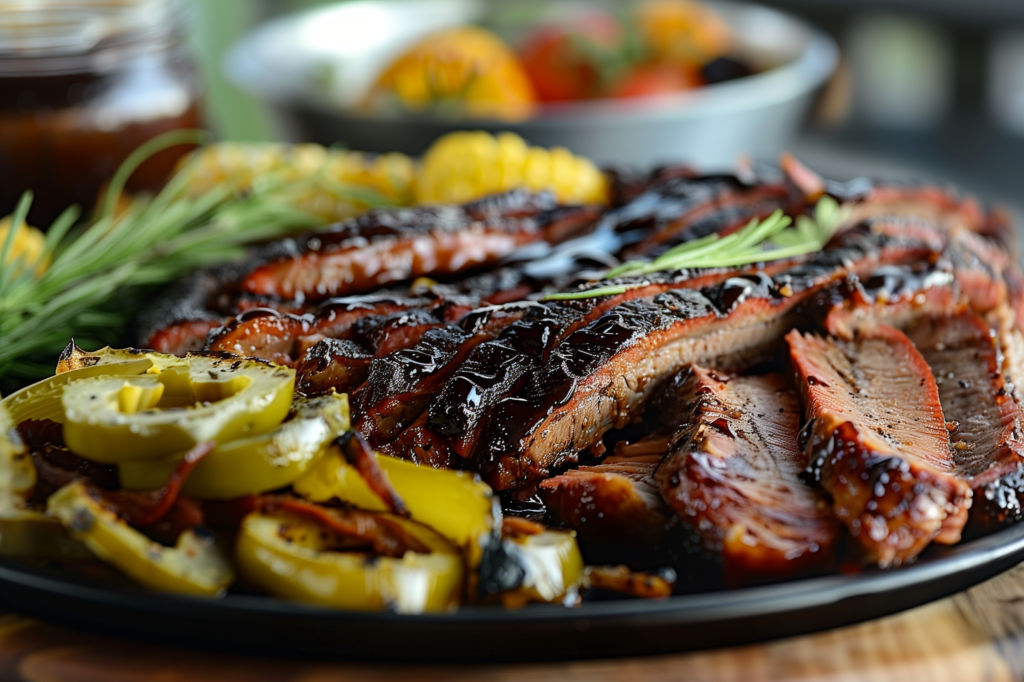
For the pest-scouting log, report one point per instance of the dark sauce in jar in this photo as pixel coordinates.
(81, 87)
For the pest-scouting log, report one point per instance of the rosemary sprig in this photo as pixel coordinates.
(759, 241)
(100, 274)
(587, 293)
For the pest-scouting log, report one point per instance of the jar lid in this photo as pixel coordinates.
(48, 36)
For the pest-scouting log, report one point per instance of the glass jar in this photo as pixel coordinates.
(82, 84)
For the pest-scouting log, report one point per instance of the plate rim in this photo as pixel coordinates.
(996, 548)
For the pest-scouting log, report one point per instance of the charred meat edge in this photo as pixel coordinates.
(387, 246)
(284, 337)
(401, 383)
(498, 368)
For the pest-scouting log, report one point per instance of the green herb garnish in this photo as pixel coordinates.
(100, 274)
(588, 293)
(759, 241)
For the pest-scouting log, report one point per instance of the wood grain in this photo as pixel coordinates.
(977, 635)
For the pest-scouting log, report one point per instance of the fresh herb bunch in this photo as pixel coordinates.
(99, 274)
(759, 241)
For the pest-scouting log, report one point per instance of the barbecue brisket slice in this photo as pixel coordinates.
(877, 442)
(616, 500)
(978, 404)
(285, 337)
(600, 376)
(390, 245)
(734, 474)
(685, 209)
(937, 205)
(896, 295)
(332, 364)
(401, 383)
(179, 321)
(497, 367)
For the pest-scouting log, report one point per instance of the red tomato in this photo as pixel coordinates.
(655, 79)
(560, 60)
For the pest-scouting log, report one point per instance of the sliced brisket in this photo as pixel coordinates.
(616, 500)
(284, 337)
(896, 295)
(391, 245)
(333, 364)
(684, 209)
(978, 404)
(734, 474)
(402, 383)
(600, 376)
(878, 443)
(497, 368)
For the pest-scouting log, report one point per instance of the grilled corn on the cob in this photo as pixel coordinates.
(463, 166)
(332, 184)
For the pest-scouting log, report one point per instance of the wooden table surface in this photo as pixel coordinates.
(976, 635)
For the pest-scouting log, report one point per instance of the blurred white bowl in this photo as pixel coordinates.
(314, 67)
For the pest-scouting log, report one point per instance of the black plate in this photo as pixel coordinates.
(491, 634)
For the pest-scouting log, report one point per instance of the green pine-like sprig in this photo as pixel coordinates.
(95, 282)
(759, 241)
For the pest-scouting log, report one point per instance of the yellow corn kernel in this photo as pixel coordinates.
(463, 166)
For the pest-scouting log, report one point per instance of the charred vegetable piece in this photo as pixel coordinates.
(25, 532)
(174, 405)
(456, 504)
(149, 507)
(358, 453)
(294, 557)
(249, 466)
(550, 568)
(42, 400)
(621, 579)
(195, 566)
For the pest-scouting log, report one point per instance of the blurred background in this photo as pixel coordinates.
(923, 88)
